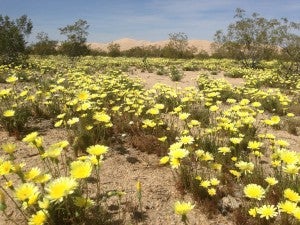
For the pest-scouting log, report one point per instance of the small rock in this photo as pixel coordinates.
(228, 204)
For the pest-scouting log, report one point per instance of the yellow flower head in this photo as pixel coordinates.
(254, 145)
(271, 180)
(97, 150)
(287, 207)
(246, 167)
(101, 117)
(11, 79)
(26, 191)
(30, 138)
(164, 160)
(39, 218)
(9, 147)
(80, 169)
(60, 188)
(267, 211)
(32, 174)
(187, 139)
(254, 191)
(224, 150)
(179, 153)
(183, 116)
(6, 167)
(83, 95)
(182, 208)
(9, 113)
(291, 195)
(211, 191)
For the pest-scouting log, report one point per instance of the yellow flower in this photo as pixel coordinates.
(296, 213)
(58, 123)
(214, 181)
(30, 138)
(83, 95)
(254, 145)
(291, 169)
(44, 204)
(97, 150)
(164, 160)
(267, 211)
(9, 113)
(254, 191)
(153, 111)
(6, 167)
(32, 173)
(43, 178)
(246, 167)
(236, 140)
(182, 208)
(9, 147)
(11, 79)
(273, 121)
(138, 186)
(256, 104)
(212, 191)
(38, 142)
(224, 150)
(183, 116)
(253, 212)
(175, 163)
(205, 183)
(287, 207)
(52, 152)
(73, 121)
(271, 180)
(179, 153)
(148, 123)
(289, 157)
(162, 139)
(213, 108)
(159, 106)
(80, 169)
(39, 218)
(291, 195)
(187, 139)
(26, 191)
(60, 187)
(101, 117)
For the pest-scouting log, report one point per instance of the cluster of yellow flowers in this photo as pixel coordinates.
(210, 131)
(39, 193)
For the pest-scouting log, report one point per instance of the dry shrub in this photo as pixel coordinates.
(148, 143)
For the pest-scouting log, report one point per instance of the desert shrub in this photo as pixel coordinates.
(175, 74)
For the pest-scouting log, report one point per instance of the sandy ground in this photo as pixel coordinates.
(189, 79)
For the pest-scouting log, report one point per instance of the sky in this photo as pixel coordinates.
(150, 20)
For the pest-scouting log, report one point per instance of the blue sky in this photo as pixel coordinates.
(149, 20)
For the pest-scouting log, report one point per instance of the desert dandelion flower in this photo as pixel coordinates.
(9, 147)
(254, 191)
(97, 150)
(61, 187)
(267, 211)
(80, 169)
(38, 219)
(26, 191)
(9, 113)
(182, 208)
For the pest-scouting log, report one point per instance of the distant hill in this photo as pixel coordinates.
(128, 43)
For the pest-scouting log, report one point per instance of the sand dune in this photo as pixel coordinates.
(128, 43)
